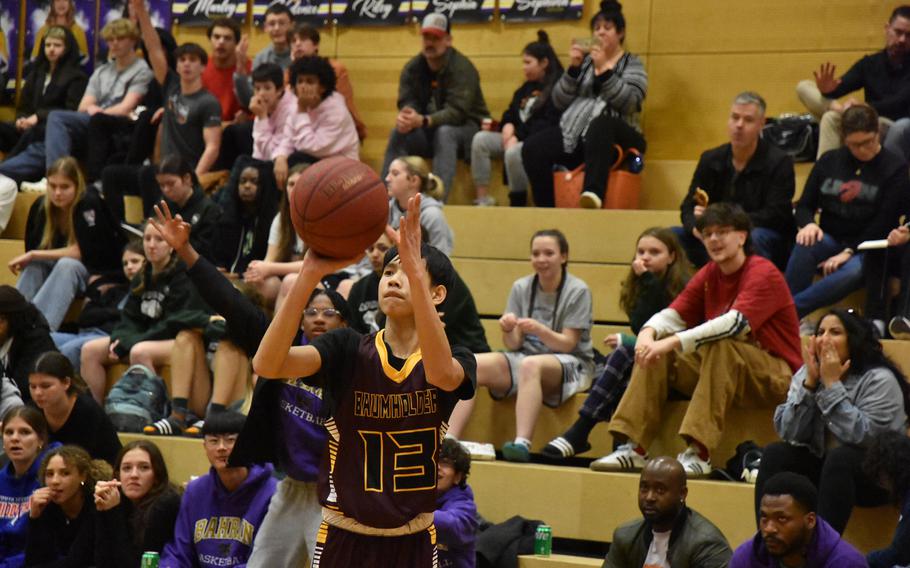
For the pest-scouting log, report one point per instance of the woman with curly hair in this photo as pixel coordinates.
(61, 515)
(887, 461)
(846, 393)
(322, 126)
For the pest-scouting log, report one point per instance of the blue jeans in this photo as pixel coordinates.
(766, 243)
(801, 271)
(52, 286)
(63, 126)
(27, 165)
(70, 344)
(442, 143)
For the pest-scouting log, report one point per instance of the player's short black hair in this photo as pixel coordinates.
(318, 66)
(795, 485)
(229, 23)
(226, 422)
(193, 49)
(440, 268)
(454, 453)
(278, 9)
(269, 72)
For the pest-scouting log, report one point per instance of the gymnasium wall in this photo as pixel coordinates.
(699, 53)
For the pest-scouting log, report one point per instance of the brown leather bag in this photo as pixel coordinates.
(623, 187)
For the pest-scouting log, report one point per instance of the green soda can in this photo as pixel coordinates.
(543, 540)
(149, 560)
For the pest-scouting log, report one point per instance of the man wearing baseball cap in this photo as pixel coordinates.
(440, 103)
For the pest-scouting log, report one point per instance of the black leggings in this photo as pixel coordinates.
(544, 150)
(879, 266)
(838, 476)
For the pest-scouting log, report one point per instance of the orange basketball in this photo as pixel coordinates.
(339, 207)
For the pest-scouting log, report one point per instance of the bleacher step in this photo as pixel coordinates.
(557, 561)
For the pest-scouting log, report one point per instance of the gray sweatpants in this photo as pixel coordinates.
(487, 146)
(287, 536)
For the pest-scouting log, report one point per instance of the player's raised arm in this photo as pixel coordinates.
(442, 370)
(276, 358)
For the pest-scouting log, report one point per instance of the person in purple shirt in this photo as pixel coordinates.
(791, 534)
(221, 512)
(456, 514)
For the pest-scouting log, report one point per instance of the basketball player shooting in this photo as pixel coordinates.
(389, 394)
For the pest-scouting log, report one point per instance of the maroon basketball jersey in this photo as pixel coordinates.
(385, 431)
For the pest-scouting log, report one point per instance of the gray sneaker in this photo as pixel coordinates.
(485, 201)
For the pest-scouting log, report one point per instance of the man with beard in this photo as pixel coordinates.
(884, 77)
(791, 534)
(670, 534)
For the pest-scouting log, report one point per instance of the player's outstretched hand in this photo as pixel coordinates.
(174, 230)
(319, 265)
(409, 239)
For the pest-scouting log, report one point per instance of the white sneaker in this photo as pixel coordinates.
(589, 200)
(693, 464)
(34, 186)
(479, 451)
(625, 458)
(485, 201)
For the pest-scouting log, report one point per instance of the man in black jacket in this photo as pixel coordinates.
(670, 533)
(747, 171)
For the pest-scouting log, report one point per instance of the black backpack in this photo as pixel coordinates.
(138, 399)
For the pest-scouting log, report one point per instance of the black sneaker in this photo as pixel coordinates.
(899, 327)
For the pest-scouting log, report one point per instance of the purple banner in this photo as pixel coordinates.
(202, 12)
(83, 28)
(9, 41)
(159, 10)
(540, 10)
(315, 12)
(456, 10)
(371, 12)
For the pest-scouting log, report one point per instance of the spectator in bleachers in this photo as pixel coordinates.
(322, 126)
(54, 81)
(879, 267)
(440, 103)
(61, 528)
(272, 106)
(547, 330)
(860, 190)
(114, 89)
(218, 77)
(791, 532)
(221, 512)
(249, 203)
(455, 518)
(659, 272)
(71, 237)
(23, 325)
(846, 393)
(750, 172)
(531, 110)
(285, 250)
(731, 337)
(137, 510)
(104, 299)
(162, 302)
(364, 296)
(304, 39)
(278, 23)
(408, 176)
(883, 76)
(886, 463)
(670, 533)
(600, 96)
(285, 427)
(62, 13)
(73, 416)
(24, 443)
